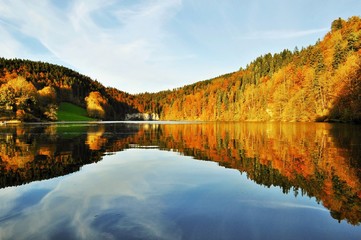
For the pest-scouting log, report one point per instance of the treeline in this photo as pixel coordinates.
(318, 83)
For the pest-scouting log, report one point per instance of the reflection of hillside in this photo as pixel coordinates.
(304, 157)
(319, 160)
(36, 153)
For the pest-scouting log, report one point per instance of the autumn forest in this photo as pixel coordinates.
(321, 82)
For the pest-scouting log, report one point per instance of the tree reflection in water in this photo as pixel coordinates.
(314, 159)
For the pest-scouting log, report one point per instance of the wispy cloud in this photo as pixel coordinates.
(152, 45)
(283, 34)
(108, 41)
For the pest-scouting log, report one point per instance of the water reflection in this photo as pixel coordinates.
(317, 160)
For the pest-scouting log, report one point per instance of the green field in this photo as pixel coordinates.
(70, 112)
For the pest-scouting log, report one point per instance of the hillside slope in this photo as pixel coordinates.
(317, 83)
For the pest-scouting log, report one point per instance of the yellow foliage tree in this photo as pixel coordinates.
(20, 97)
(96, 105)
(47, 94)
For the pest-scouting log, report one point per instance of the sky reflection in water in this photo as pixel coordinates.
(153, 194)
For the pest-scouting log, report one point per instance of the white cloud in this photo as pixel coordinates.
(283, 34)
(118, 55)
(9, 46)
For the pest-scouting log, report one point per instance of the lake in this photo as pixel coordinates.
(159, 180)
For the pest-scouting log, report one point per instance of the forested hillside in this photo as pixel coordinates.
(33, 91)
(317, 83)
(321, 82)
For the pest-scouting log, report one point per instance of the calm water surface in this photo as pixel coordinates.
(180, 181)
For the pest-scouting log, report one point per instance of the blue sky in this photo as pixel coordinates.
(152, 45)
